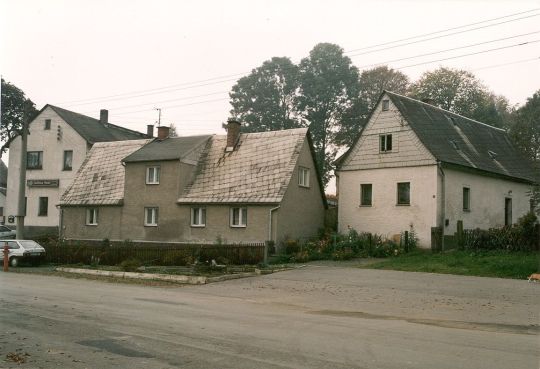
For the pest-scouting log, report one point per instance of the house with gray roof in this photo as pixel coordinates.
(237, 188)
(58, 143)
(416, 166)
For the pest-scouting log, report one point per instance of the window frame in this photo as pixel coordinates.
(156, 169)
(92, 216)
(362, 186)
(383, 143)
(303, 177)
(47, 125)
(40, 160)
(242, 217)
(466, 196)
(43, 211)
(398, 203)
(155, 216)
(201, 217)
(64, 167)
(385, 106)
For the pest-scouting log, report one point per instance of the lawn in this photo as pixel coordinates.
(518, 265)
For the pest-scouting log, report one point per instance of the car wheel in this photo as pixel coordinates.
(14, 262)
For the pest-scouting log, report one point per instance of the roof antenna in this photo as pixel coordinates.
(159, 116)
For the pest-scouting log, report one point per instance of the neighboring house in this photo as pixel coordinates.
(58, 142)
(416, 165)
(249, 187)
(3, 191)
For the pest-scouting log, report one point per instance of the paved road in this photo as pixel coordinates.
(315, 317)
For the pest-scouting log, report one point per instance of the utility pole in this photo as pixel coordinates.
(159, 116)
(22, 172)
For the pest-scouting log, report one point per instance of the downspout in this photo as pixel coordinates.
(269, 232)
(443, 202)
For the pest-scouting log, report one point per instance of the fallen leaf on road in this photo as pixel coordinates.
(16, 358)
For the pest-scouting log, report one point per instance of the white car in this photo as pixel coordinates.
(6, 233)
(23, 250)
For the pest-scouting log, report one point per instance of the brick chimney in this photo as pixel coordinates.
(233, 133)
(150, 130)
(162, 132)
(104, 117)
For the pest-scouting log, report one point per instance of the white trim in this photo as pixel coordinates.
(242, 223)
(201, 221)
(156, 174)
(303, 176)
(88, 216)
(154, 216)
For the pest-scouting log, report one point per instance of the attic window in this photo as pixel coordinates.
(385, 105)
(454, 143)
(47, 124)
(492, 154)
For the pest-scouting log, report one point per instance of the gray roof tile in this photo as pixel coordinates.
(171, 148)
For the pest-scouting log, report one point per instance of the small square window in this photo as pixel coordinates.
(47, 124)
(365, 194)
(68, 160)
(303, 177)
(151, 217)
(385, 105)
(43, 206)
(385, 143)
(198, 217)
(238, 217)
(404, 193)
(92, 216)
(466, 199)
(34, 160)
(152, 175)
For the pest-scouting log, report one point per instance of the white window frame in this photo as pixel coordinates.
(303, 177)
(92, 219)
(384, 147)
(154, 211)
(156, 173)
(198, 217)
(242, 217)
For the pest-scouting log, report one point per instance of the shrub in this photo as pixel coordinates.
(175, 258)
(343, 254)
(130, 265)
(291, 246)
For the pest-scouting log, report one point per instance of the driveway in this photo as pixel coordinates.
(313, 317)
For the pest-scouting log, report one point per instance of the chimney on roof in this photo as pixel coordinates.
(233, 133)
(150, 130)
(104, 117)
(162, 132)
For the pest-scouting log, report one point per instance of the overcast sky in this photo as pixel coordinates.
(87, 55)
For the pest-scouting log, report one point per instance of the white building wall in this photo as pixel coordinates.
(53, 148)
(487, 199)
(385, 217)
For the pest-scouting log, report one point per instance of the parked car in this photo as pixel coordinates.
(6, 233)
(24, 250)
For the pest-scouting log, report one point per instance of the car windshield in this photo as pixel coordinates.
(30, 244)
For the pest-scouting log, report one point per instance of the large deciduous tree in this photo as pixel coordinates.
(265, 99)
(328, 91)
(525, 130)
(13, 102)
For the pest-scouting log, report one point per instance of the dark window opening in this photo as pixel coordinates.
(34, 160)
(404, 193)
(507, 211)
(385, 105)
(68, 160)
(366, 194)
(385, 143)
(47, 124)
(43, 206)
(466, 199)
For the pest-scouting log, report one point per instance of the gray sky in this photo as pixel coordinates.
(68, 52)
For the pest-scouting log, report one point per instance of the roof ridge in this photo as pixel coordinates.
(445, 111)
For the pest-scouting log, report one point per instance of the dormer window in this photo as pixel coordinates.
(385, 105)
(385, 143)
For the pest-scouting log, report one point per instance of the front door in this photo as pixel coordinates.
(507, 211)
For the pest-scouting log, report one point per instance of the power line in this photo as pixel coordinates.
(225, 78)
(505, 64)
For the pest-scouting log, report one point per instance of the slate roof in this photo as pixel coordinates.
(257, 171)
(454, 139)
(92, 130)
(100, 179)
(172, 148)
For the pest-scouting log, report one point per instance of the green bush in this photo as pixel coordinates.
(177, 258)
(292, 246)
(130, 265)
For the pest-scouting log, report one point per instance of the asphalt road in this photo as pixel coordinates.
(315, 317)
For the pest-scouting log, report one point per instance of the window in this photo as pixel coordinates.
(34, 160)
(12, 245)
(507, 211)
(152, 175)
(151, 217)
(404, 193)
(365, 194)
(92, 216)
(385, 105)
(385, 143)
(198, 217)
(47, 124)
(303, 177)
(238, 217)
(68, 160)
(43, 206)
(466, 199)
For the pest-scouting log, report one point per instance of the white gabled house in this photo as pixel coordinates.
(416, 165)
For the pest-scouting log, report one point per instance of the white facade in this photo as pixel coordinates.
(52, 144)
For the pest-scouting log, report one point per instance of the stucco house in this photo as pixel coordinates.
(416, 165)
(237, 188)
(58, 142)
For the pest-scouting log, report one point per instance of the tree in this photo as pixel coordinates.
(265, 99)
(13, 102)
(525, 130)
(328, 90)
(172, 131)
(461, 92)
